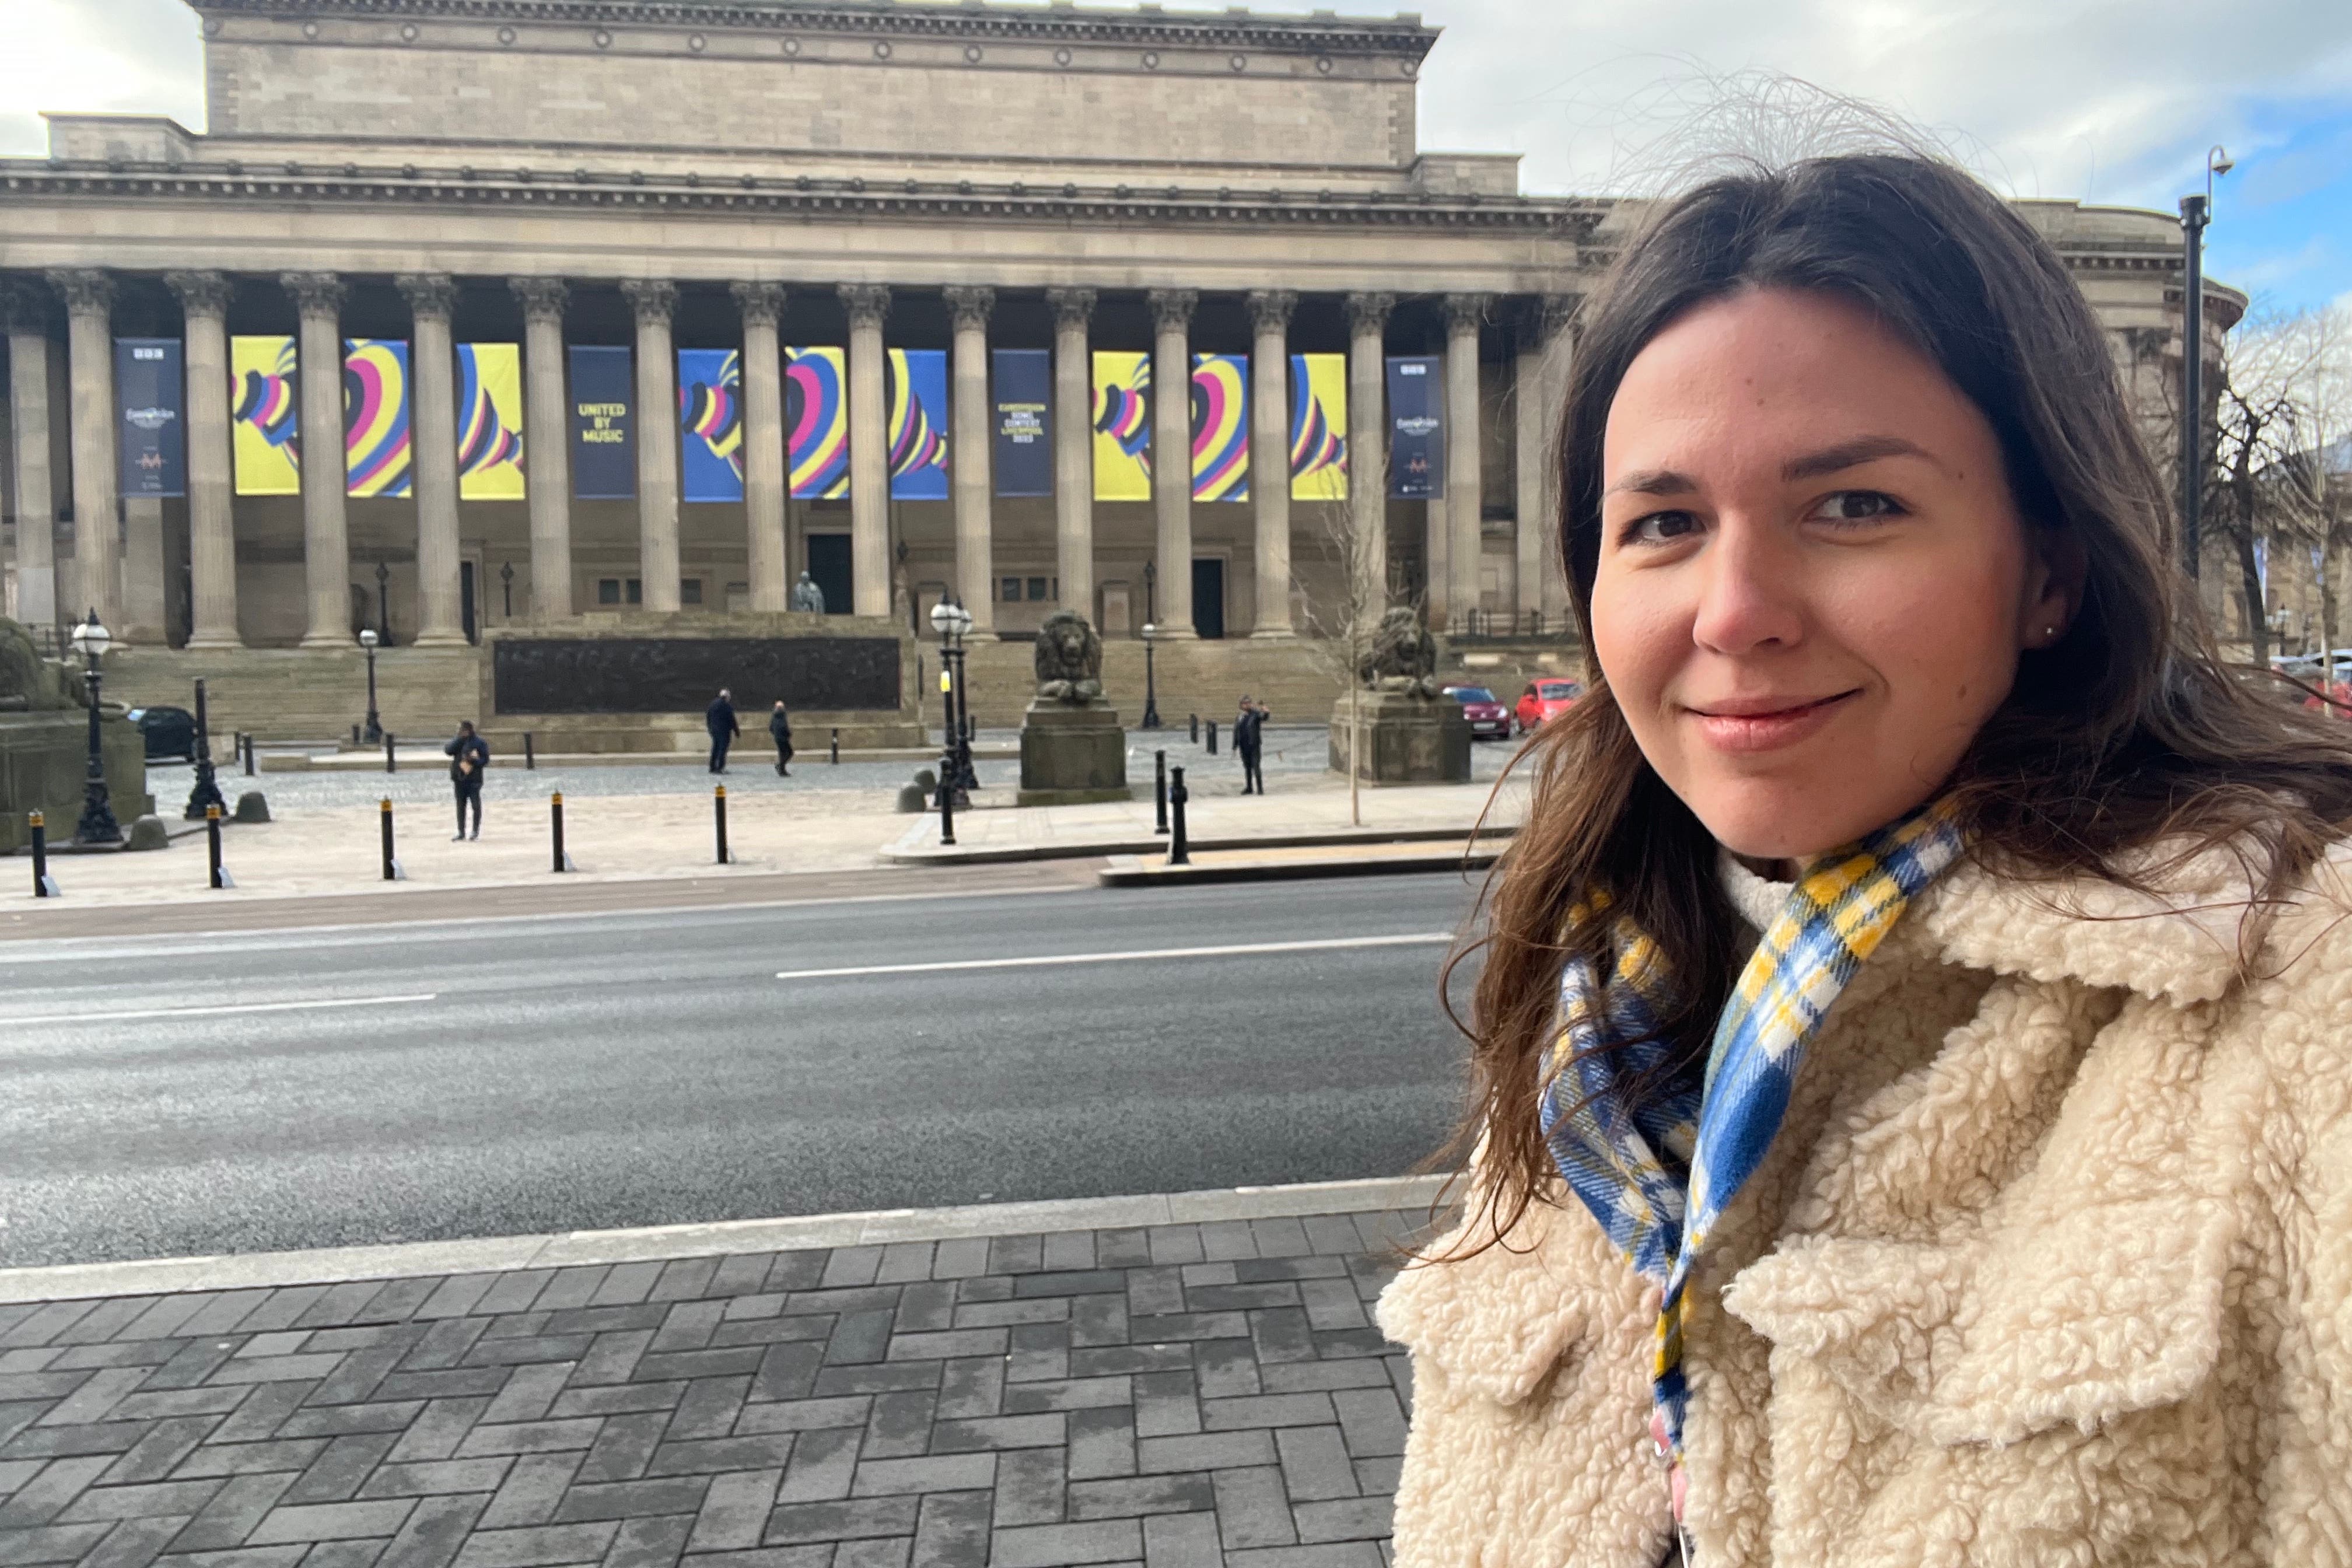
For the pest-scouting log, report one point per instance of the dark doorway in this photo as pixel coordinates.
(828, 567)
(465, 600)
(1209, 598)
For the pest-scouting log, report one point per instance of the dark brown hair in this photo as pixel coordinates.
(2126, 734)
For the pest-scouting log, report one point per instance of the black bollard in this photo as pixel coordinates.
(836, 748)
(1179, 851)
(218, 875)
(248, 739)
(391, 865)
(390, 765)
(1196, 729)
(529, 753)
(355, 734)
(44, 885)
(1213, 737)
(718, 802)
(1160, 791)
(946, 798)
(555, 822)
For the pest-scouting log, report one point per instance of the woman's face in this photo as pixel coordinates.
(1813, 585)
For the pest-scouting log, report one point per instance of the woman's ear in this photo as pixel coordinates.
(2056, 567)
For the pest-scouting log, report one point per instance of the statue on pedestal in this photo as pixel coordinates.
(1073, 750)
(1403, 657)
(1068, 660)
(807, 597)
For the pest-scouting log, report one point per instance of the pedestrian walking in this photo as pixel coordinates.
(1249, 740)
(1908, 1074)
(720, 719)
(780, 729)
(469, 759)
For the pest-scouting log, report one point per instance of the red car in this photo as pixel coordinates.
(1545, 700)
(1488, 717)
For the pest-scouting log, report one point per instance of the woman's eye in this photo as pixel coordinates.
(1661, 527)
(1856, 505)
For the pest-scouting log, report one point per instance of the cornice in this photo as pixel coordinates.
(958, 201)
(1402, 36)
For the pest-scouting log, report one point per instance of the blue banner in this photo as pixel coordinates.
(151, 444)
(711, 421)
(1024, 422)
(603, 435)
(917, 432)
(1416, 427)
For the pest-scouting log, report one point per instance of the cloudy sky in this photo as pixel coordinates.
(2110, 101)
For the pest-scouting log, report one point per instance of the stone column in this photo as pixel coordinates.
(1537, 392)
(26, 308)
(968, 460)
(1464, 499)
(1270, 456)
(212, 527)
(869, 451)
(326, 541)
(1171, 454)
(762, 304)
(1368, 447)
(89, 360)
(546, 445)
(1559, 362)
(1074, 449)
(653, 299)
(433, 456)
(146, 607)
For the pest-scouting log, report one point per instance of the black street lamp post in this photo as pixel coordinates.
(957, 779)
(505, 589)
(2195, 213)
(206, 792)
(98, 825)
(374, 736)
(1150, 681)
(384, 601)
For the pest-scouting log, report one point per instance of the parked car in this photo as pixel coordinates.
(1488, 717)
(1545, 700)
(171, 732)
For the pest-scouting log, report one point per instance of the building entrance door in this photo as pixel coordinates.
(828, 566)
(1209, 598)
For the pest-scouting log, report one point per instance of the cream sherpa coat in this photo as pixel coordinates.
(2051, 1267)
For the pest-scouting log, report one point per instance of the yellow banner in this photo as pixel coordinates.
(262, 416)
(490, 422)
(1122, 426)
(1319, 427)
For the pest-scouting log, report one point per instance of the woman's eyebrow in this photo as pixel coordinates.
(1852, 453)
(1653, 482)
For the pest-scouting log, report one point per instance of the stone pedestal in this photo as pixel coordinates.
(1406, 739)
(43, 757)
(1072, 754)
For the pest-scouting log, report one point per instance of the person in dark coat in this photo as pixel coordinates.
(780, 729)
(469, 759)
(720, 719)
(1249, 737)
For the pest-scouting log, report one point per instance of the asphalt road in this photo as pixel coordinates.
(173, 1096)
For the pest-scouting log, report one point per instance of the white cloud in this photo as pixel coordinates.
(124, 56)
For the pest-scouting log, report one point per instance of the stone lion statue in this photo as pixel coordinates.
(1069, 659)
(1404, 656)
(29, 683)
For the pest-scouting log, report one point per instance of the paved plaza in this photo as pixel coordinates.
(1176, 1395)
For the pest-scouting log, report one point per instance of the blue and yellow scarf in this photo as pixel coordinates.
(1658, 1170)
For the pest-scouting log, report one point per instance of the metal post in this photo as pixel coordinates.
(1150, 689)
(220, 877)
(1213, 737)
(206, 792)
(98, 825)
(374, 727)
(555, 821)
(1179, 849)
(390, 765)
(1159, 790)
(718, 802)
(2192, 379)
(947, 795)
(391, 865)
(44, 885)
(245, 750)
(1194, 726)
(836, 748)
(529, 753)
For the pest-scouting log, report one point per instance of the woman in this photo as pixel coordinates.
(1911, 1052)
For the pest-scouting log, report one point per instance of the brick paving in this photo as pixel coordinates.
(1176, 1396)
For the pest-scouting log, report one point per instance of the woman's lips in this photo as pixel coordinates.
(1766, 725)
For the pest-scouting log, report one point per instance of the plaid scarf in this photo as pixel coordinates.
(1659, 1170)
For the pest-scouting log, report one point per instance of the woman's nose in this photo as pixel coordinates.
(1749, 596)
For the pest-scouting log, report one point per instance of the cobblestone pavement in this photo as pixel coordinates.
(1177, 1396)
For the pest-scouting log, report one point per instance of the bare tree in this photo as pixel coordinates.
(1340, 628)
(2273, 369)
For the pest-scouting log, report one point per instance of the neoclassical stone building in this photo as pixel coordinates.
(750, 175)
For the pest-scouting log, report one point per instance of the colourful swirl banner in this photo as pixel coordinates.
(710, 416)
(917, 384)
(375, 416)
(490, 422)
(1220, 427)
(263, 424)
(1122, 426)
(816, 423)
(1318, 426)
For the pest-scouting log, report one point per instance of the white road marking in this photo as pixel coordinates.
(216, 1012)
(1415, 939)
